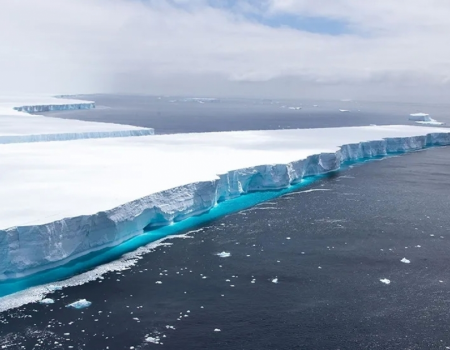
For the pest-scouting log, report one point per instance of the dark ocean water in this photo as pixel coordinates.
(327, 249)
(169, 115)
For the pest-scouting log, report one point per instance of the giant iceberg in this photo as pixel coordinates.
(66, 199)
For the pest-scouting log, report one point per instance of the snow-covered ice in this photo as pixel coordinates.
(101, 192)
(405, 261)
(80, 304)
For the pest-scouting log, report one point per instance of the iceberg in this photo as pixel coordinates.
(423, 118)
(17, 126)
(68, 199)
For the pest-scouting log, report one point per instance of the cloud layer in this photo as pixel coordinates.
(226, 47)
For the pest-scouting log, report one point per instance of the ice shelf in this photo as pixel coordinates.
(66, 199)
(18, 126)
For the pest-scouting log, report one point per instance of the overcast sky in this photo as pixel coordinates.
(381, 49)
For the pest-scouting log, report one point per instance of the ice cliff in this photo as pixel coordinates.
(5, 139)
(28, 249)
(55, 107)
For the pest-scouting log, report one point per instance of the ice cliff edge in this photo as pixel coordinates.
(28, 249)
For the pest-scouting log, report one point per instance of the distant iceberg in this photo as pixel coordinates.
(424, 118)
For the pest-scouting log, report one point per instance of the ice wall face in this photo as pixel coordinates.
(55, 107)
(27, 249)
(6, 139)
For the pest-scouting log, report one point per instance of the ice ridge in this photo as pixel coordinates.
(27, 249)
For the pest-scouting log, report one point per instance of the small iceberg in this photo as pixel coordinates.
(275, 280)
(405, 261)
(385, 281)
(80, 304)
(47, 301)
(224, 254)
(344, 110)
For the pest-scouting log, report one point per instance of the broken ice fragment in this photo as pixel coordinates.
(223, 254)
(80, 304)
(385, 281)
(47, 301)
(406, 261)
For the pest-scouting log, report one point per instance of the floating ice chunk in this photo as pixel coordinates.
(224, 255)
(344, 110)
(406, 261)
(385, 281)
(158, 282)
(154, 340)
(80, 304)
(275, 280)
(47, 301)
(217, 330)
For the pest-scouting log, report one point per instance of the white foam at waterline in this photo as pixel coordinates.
(385, 281)
(80, 304)
(35, 294)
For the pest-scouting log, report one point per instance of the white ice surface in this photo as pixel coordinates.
(64, 199)
(16, 126)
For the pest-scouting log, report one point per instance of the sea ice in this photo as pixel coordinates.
(406, 261)
(385, 281)
(80, 304)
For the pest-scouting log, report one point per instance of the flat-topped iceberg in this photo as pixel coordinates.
(67, 199)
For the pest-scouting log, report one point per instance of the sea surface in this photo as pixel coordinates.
(358, 259)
